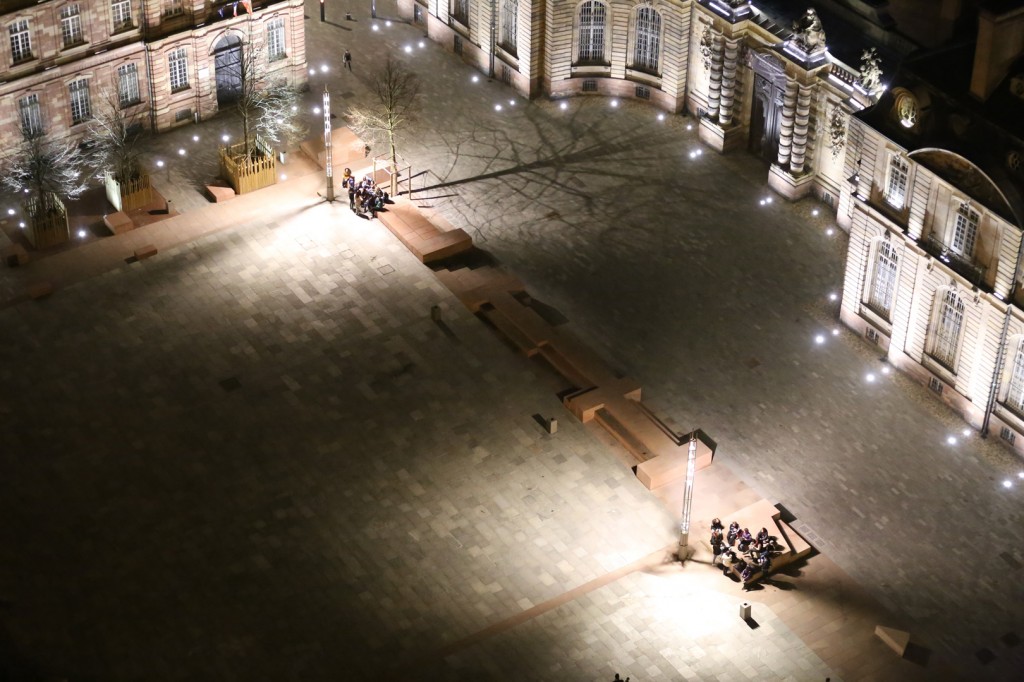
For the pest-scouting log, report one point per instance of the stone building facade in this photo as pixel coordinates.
(763, 84)
(166, 60)
(934, 207)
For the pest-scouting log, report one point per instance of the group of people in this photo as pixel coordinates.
(364, 197)
(738, 548)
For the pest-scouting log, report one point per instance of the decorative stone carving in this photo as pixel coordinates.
(809, 36)
(837, 130)
(870, 71)
(706, 39)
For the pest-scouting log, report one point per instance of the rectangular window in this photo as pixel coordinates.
(127, 85)
(275, 40)
(173, 8)
(965, 231)
(896, 183)
(460, 11)
(883, 283)
(1015, 394)
(81, 107)
(21, 41)
(947, 328)
(177, 63)
(509, 17)
(31, 117)
(71, 26)
(122, 13)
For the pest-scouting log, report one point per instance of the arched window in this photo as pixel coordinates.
(948, 324)
(1015, 394)
(883, 280)
(509, 10)
(647, 40)
(592, 17)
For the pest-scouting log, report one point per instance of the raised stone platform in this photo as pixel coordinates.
(420, 235)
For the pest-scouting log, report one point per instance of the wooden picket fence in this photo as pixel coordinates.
(130, 195)
(247, 174)
(47, 221)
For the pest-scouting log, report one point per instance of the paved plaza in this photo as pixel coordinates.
(256, 456)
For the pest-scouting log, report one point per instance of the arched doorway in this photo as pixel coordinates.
(227, 63)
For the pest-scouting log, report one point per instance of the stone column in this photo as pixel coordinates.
(803, 117)
(731, 57)
(715, 78)
(786, 123)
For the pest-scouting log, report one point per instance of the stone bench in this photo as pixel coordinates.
(14, 255)
(145, 251)
(38, 290)
(897, 640)
(218, 194)
(669, 467)
(420, 236)
(118, 222)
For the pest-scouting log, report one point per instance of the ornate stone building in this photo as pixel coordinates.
(168, 59)
(934, 206)
(766, 84)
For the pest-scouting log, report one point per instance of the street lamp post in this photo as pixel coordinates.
(373, 9)
(684, 525)
(329, 161)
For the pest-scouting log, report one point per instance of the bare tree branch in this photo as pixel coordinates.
(114, 136)
(41, 165)
(397, 92)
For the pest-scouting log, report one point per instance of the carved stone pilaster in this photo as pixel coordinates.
(715, 76)
(730, 60)
(786, 122)
(801, 124)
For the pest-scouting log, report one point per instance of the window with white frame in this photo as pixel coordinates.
(965, 230)
(30, 115)
(896, 182)
(509, 24)
(71, 25)
(1015, 393)
(173, 8)
(883, 279)
(81, 107)
(128, 85)
(177, 64)
(592, 19)
(21, 41)
(460, 11)
(647, 40)
(275, 39)
(122, 13)
(948, 324)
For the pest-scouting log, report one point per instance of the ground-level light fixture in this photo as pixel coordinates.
(869, 377)
(317, 110)
(833, 296)
(159, 163)
(181, 151)
(886, 370)
(475, 79)
(497, 107)
(375, 27)
(830, 232)
(835, 331)
(22, 224)
(312, 72)
(225, 137)
(689, 126)
(819, 339)
(814, 213)
(661, 117)
(10, 211)
(965, 433)
(387, 23)
(951, 440)
(422, 44)
(81, 234)
(1007, 483)
(195, 138)
(563, 106)
(614, 103)
(324, 68)
(511, 102)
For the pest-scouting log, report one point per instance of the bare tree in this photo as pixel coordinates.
(114, 136)
(267, 108)
(40, 168)
(397, 92)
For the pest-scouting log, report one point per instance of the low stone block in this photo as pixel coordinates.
(219, 194)
(897, 640)
(15, 255)
(145, 251)
(118, 222)
(39, 290)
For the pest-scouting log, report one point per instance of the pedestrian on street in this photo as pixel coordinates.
(348, 60)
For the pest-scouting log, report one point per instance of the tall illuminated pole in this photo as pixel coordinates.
(329, 160)
(684, 525)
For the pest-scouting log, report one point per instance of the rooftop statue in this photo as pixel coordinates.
(870, 71)
(808, 33)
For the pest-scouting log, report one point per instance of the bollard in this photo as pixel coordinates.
(435, 313)
(745, 611)
(552, 425)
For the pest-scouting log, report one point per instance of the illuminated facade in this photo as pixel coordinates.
(168, 60)
(934, 208)
(756, 85)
